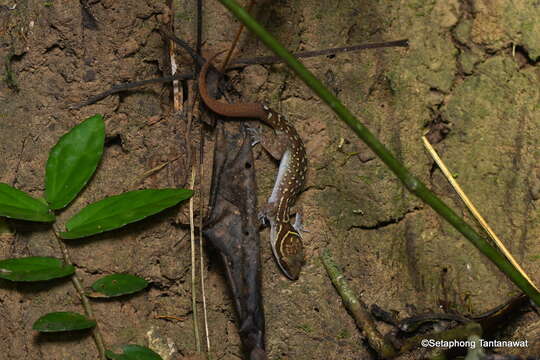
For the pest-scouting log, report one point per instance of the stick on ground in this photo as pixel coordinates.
(357, 309)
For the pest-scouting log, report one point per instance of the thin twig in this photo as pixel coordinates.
(177, 90)
(154, 170)
(192, 52)
(357, 308)
(192, 97)
(123, 87)
(198, 46)
(201, 192)
(96, 333)
(235, 41)
(267, 60)
(170, 317)
(473, 209)
(201, 217)
(193, 267)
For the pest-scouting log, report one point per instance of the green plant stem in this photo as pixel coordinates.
(96, 333)
(414, 185)
(357, 308)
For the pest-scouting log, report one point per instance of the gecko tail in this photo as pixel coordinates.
(246, 110)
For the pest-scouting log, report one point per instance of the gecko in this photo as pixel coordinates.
(285, 237)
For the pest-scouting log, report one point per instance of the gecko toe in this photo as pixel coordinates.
(254, 134)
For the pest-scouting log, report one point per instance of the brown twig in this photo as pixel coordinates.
(235, 41)
(124, 87)
(170, 317)
(200, 230)
(193, 268)
(201, 192)
(177, 90)
(267, 60)
(154, 170)
(357, 308)
(192, 52)
(192, 97)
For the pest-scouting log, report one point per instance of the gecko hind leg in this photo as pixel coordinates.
(263, 218)
(266, 212)
(275, 144)
(254, 134)
(298, 224)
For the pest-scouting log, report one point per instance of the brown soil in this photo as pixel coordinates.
(471, 73)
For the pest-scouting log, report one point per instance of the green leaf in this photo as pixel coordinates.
(134, 352)
(35, 268)
(116, 211)
(118, 284)
(73, 160)
(19, 205)
(63, 321)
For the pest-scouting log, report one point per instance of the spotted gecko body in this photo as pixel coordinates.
(285, 237)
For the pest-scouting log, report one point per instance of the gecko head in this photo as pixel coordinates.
(289, 251)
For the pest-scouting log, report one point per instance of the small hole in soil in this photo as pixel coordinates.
(113, 140)
(248, 165)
